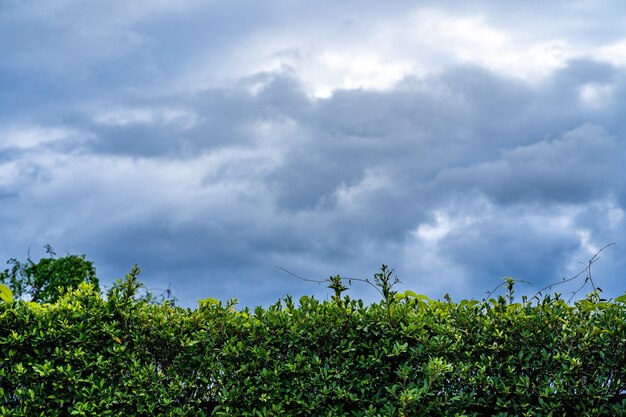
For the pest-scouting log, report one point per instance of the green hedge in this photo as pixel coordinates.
(85, 355)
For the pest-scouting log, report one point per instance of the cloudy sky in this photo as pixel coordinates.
(208, 142)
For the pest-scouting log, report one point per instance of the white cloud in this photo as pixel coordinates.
(614, 52)
(434, 232)
(597, 95)
(377, 53)
(352, 70)
(585, 241)
(27, 137)
(350, 197)
(180, 117)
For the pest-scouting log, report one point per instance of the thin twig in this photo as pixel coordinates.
(319, 281)
(587, 269)
(504, 283)
(576, 292)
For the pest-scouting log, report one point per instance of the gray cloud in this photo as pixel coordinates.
(575, 168)
(360, 169)
(207, 179)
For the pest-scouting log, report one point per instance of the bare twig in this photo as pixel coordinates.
(587, 270)
(504, 283)
(320, 281)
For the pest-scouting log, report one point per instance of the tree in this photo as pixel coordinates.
(44, 281)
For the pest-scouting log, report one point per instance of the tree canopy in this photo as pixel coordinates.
(44, 281)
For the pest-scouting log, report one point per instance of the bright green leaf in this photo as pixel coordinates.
(5, 294)
(208, 301)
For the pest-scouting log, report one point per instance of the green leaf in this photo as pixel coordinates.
(422, 297)
(5, 294)
(208, 301)
(621, 299)
(412, 294)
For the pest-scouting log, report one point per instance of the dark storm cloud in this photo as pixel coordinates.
(191, 139)
(57, 55)
(365, 168)
(183, 126)
(508, 140)
(497, 248)
(575, 168)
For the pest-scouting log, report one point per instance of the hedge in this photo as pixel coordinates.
(88, 355)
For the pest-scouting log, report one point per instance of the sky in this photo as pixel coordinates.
(458, 142)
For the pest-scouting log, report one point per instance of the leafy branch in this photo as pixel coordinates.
(510, 283)
(383, 283)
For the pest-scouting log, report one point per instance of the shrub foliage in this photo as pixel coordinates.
(408, 355)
